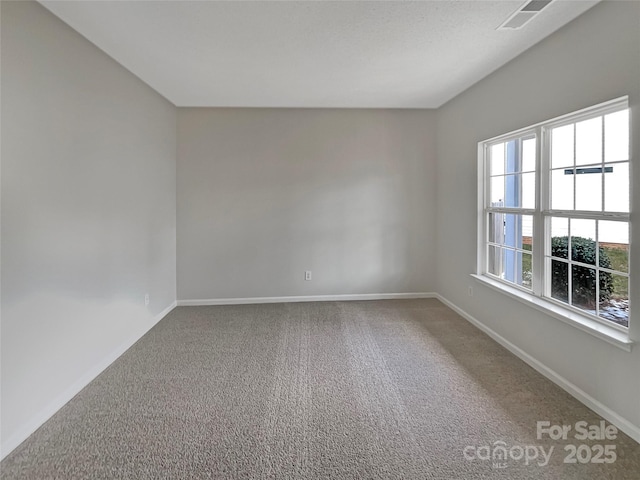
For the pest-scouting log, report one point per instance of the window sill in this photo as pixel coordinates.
(582, 322)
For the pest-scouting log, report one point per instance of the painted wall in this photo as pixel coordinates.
(593, 59)
(264, 195)
(88, 213)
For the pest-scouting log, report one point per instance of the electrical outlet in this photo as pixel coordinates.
(470, 291)
(146, 299)
(307, 275)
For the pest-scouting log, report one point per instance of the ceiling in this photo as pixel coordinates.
(366, 54)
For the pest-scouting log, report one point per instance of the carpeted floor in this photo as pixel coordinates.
(345, 390)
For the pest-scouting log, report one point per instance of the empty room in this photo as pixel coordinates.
(320, 239)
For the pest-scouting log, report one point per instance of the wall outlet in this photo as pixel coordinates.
(470, 292)
(307, 275)
(146, 299)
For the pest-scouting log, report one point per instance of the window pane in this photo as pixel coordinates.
(616, 136)
(583, 287)
(509, 265)
(497, 159)
(616, 188)
(529, 190)
(496, 227)
(515, 231)
(561, 190)
(614, 298)
(562, 146)
(583, 243)
(588, 191)
(529, 155)
(511, 230)
(589, 141)
(497, 192)
(512, 190)
(494, 261)
(584, 228)
(513, 161)
(527, 232)
(559, 280)
(613, 238)
(524, 269)
(559, 236)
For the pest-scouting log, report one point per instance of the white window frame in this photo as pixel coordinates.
(539, 295)
(520, 134)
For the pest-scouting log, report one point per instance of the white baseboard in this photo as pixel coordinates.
(308, 298)
(57, 403)
(622, 423)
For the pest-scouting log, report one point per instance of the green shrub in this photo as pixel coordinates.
(583, 279)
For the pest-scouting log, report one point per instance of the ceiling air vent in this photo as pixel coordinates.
(525, 13)
(535, 5)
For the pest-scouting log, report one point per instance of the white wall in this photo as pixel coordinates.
(593, 59)
(265, 194)
(88, 213)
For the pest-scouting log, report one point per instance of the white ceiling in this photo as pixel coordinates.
(310, 54)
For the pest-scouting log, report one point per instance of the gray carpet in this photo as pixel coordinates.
(345, 390)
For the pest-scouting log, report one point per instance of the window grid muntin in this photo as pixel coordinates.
(587, 265)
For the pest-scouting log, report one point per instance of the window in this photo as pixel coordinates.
(510, 209)
(554, 213)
